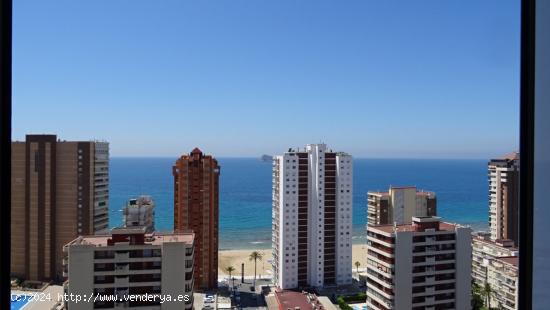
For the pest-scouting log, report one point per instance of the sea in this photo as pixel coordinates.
(461, 187)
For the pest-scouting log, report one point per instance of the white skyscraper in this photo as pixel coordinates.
(312, 217)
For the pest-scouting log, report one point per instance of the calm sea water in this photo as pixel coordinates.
(245, 192)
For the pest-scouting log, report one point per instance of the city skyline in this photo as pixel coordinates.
(429, 77)
(369, 152)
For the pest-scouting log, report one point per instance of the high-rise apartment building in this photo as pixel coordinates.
(502, 276)
(196, 199)
(399, 205)
(504, 197)
(485, 250)
(423, 265)
(60, 189)
(140, 212)
(312, 217)
(132, 266)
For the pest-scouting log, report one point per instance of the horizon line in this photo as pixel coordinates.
(259, 157)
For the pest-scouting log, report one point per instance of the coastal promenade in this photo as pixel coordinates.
(236, 257)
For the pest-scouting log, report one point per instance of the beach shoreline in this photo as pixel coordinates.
(235, 258)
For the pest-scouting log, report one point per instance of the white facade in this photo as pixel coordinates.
(312, 217)
(422, 265)
(140, 212)
(401, 198)
(502, 275)
(484, 251)
(101, 187)
(130, 263)
(398, 205)
(344, 211)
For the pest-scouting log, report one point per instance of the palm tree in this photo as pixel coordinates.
(255, 256)
(477, 296)
(230, 269)
(487, 292)
(357, 264)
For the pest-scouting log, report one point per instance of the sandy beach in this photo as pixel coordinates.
(236, 257)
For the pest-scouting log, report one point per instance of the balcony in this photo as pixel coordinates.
(188, 264)
(373, 286)
(424, 271)
(381, 259)
(380, 268)
(104, 255)
(109, 280)
(444, 297)
(121, 269)
(421, 291)
(121, 256)
(387, 242)
(377, 304)
(387, 282)
(381, 301)
(121, 281)
(373, 235)
(380, 249)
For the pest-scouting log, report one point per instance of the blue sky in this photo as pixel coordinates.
(405, 79)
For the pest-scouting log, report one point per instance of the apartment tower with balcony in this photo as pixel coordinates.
(422, 265)
(484, 250)
(502, 276)
(60, 190)
(504, 197)
(399, 205)
(140, 211)
(132, 266)
(312, 217)
(196, 208)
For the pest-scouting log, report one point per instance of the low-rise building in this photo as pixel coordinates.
(423, 265)
(129, 268)
(502, 275)
(484, 250)
(287, 299)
